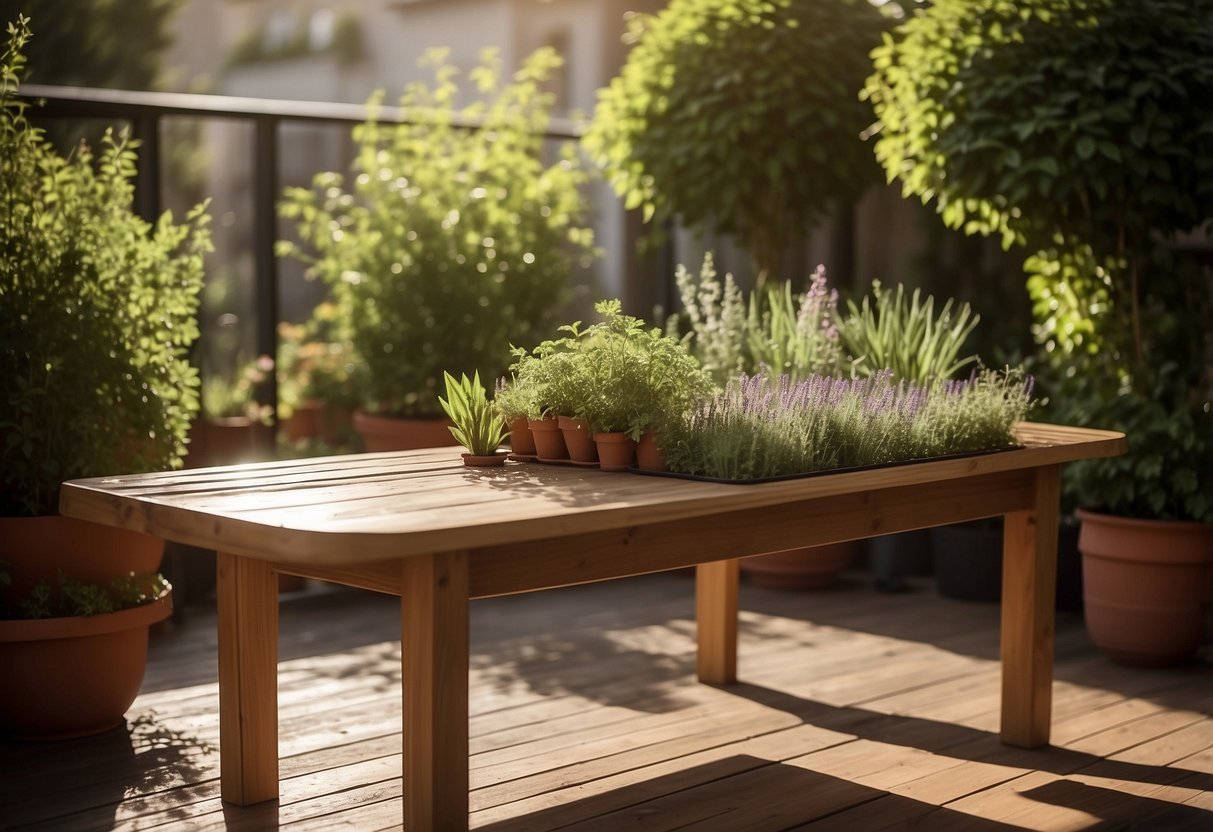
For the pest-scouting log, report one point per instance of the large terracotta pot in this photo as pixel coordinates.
(1145, 586)
(228, 441)
(73, 677)
(37, 548)
(810, 567)
(386, 433)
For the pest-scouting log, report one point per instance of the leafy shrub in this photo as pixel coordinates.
(69, 597)
(99, 311)
(1080, 130)
(449, 241)
(741, 116)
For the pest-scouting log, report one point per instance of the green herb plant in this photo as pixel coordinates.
(99, 310)
(890, 331)
(68, 597)
(452, 236)
(478, 425)
(618, 374)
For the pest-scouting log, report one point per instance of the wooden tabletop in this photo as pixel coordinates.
(392, 505)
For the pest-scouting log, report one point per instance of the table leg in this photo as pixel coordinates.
(434, 665)
(716, 615)
(247, 597)
(1029, 579)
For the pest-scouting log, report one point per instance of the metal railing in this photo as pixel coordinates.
(145, 112)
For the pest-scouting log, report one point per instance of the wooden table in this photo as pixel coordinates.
(420, 525)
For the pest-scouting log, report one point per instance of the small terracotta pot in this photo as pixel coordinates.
(522, 441)
(494, 460)
(549, 440)
(615, 450)
(648, 455)
(578, 440)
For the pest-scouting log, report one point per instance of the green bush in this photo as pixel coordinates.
(98, 309)
(449, 242)
(1079, 129)
(741, 116)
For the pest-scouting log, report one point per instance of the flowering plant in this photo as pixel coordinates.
(779, 331)
(761, 427)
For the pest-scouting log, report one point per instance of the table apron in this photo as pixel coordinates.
(654, 547)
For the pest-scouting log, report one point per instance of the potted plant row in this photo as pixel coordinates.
(591, 396)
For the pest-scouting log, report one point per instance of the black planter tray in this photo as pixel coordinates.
(571, 462)
(821, 473)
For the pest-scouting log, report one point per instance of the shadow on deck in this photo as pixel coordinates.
(856, 711)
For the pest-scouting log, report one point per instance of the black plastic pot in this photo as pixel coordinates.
(968, 562)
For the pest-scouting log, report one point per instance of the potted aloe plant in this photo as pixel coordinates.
(454, 238)
(476, 423)
(99, 309)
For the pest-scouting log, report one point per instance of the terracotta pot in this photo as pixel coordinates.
(578, 440)
(495, 460)
(36, 548)
(228, 441)
(616, 450)
(1145, 584)
(73, 677)
(549, 439)
(386, 433)
(522, 441)
(810, 567)
(648, 455)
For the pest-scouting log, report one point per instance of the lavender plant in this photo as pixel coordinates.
(761, 426)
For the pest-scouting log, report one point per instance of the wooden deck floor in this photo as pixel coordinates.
(858, 711)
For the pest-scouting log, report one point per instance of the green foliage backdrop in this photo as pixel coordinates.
(1081, 130)
(98, 309)
(741, 116)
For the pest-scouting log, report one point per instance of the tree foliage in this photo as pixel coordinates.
(1081, 130)
(741, 116)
